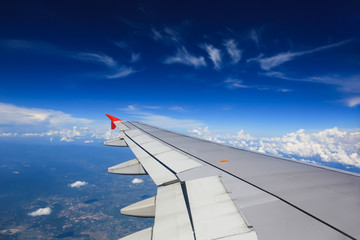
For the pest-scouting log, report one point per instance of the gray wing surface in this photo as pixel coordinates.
(211, 191)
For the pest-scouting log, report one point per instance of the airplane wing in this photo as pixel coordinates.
(211, 191)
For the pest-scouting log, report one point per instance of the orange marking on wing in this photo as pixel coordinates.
(222, 161)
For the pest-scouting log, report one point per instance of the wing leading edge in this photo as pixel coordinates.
(248, 196)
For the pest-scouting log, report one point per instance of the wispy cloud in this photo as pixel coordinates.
(233, 50)
(32, 46)
(254, 36)
(44, 48)
(121, 72)
(152, 107)
(51, 49)
(346, 84)
(214, 55)
(182, 56)
(12, 114)
(135, 57)
(162, 120)
(268, 63)
(122, 45)
(41, 212)
(234, 83)
(156, 35)
(169, 122)
(95, 57)
(129, 108)
(78, 184)
(352, 102)
(177, 109)
(166, 35)
(172, 34)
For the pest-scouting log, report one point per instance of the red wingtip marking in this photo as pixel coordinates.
(113, 119)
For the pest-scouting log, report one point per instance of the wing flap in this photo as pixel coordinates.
(171, 215)
(141, 235)
(213, 212)
(132, 167)
(144, 208)
(116, 142)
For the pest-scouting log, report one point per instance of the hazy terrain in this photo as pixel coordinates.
(39, 176)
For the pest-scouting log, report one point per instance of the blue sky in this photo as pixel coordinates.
(270, 68)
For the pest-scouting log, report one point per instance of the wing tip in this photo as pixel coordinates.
(113, 119)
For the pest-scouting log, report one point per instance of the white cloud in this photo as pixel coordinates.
(329, 145)
(353, 102)
(156, 35)
(172, 34)
(78, 184)
(268, 63)
(183, 57)
(137, 180)
(8, 134)
(96, 57)
(253, 35)
(166, 35)
(12, 114)
(153, 107)
(85, 135)
(232, 50)
(135, 57)
(122, 45)
(121, 72)
(41, 212)
(234, 83)
(51, 124)
(50, 49)
(177, 109)
(347, 84)
(129, 108)
(200, 131)
(214, 55)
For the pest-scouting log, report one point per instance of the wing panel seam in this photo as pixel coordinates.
(172, 171)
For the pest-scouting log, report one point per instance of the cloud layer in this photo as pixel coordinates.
(329, 145)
